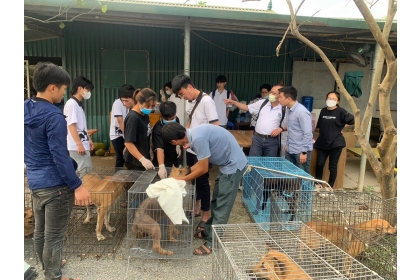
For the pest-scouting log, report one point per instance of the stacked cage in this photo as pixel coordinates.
(98, 230)
(249, 251)
(29, 224)
(259, 183)
(362, 224)
(150, 233)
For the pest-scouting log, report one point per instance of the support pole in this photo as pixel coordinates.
(363, 157)
(187, 37)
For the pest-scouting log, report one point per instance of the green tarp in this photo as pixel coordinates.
(353, 82)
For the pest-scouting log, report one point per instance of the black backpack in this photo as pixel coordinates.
(214, 92)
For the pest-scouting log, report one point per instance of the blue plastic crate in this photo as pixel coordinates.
(258, 183)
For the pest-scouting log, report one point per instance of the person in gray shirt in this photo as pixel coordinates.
(216, 145)
(298, 123)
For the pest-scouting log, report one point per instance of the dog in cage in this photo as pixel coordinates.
(103, 201)
(276, 265)
(285, 187)
(342, 236)
(28, 222)
(149, 213)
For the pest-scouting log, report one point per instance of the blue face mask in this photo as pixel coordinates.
(166, 122)
(146, 111)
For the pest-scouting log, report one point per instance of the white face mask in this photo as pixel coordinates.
(331, 103)
(168, 92)
(86, 95)
(272, 98)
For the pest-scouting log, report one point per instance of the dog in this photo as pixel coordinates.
(103, 194)
(276, 265)
(149, 213)
(28, 222)
(342, 237)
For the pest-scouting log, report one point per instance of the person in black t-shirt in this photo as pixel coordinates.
(166, 154)
(330, 142)
(137, 131)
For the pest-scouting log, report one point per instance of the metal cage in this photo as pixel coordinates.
(258, 184)
(250, 251)
(156, 238)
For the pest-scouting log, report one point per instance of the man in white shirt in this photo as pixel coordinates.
(201, 110)
(119, 111)
(218, 95)
(169, 95)
(79, 142)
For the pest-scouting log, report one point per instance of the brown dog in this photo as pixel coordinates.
(341, 236)
(103, 194)
(276, 265)
(28, 222)
(149, 213)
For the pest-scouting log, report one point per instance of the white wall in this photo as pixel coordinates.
(314, 79)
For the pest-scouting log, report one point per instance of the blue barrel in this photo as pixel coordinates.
(308, 101)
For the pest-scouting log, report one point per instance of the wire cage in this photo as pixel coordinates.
(249, 251)
(258, 183)
(362, 224)
(98, 230)
(150, 233)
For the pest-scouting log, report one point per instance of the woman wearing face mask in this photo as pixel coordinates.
(332, 119)
(137, 131)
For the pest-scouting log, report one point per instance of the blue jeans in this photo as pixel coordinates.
(52, 208)
(119, 146)
(334, 155)
(264, 147)
(295, 159)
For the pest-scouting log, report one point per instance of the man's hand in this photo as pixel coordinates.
(92, 147)
(81, 149)
(147, 163)
(276, 132)
(229, 101)
(82, 196)
(302, 158)
(162, 172)
(162, 95)
(178, 150)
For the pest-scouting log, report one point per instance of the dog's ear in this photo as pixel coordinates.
(279, 266)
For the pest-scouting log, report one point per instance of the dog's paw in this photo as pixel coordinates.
(110, 229)
(100, 237)
(172, 239)
(86, 221)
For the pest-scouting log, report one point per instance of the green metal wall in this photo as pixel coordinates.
(246, 61)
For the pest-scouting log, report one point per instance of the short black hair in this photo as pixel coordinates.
(266, 86)
(81, 82)
(47, 73)
(168, 84)
(127, 91)
(221, 79)
(336, 94)
(145, 95)
(181, 81)
(289, 91)
(167, 109)
(173, 131)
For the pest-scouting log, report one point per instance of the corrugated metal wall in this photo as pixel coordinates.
(246, 61)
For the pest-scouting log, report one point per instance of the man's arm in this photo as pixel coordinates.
(120, 122)
(132, 149)
(76, 138)
(240, 105)
(198, 169)
(160, 154)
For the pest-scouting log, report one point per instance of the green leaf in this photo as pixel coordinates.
(62, 25)
(25, 28)
(104, 8)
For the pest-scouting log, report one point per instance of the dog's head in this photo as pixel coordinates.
(271, 266)
(179, 172)
(29, 215)
(382, 226)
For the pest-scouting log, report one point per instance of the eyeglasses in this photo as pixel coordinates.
(182, 93)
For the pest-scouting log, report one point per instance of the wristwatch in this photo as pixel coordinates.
(303, 153)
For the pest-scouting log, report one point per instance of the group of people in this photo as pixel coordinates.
(63, 143)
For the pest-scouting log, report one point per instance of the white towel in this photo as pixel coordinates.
(170, 193)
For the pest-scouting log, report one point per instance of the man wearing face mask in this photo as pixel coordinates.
(166, 154)
(265, 141)
(169, 95)
(79, 142)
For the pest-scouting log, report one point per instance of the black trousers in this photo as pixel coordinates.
(202, 185)
(334, 155)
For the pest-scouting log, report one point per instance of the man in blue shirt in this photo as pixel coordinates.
(216, 145)
(298, 122)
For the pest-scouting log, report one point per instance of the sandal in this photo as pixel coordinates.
(200, 229)
(203, 250)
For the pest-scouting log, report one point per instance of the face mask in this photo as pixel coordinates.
(166, 122)
(272, 98)
(168, 92)
(146, 111)
(266, 97)
(86, 95)
(331, 103)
